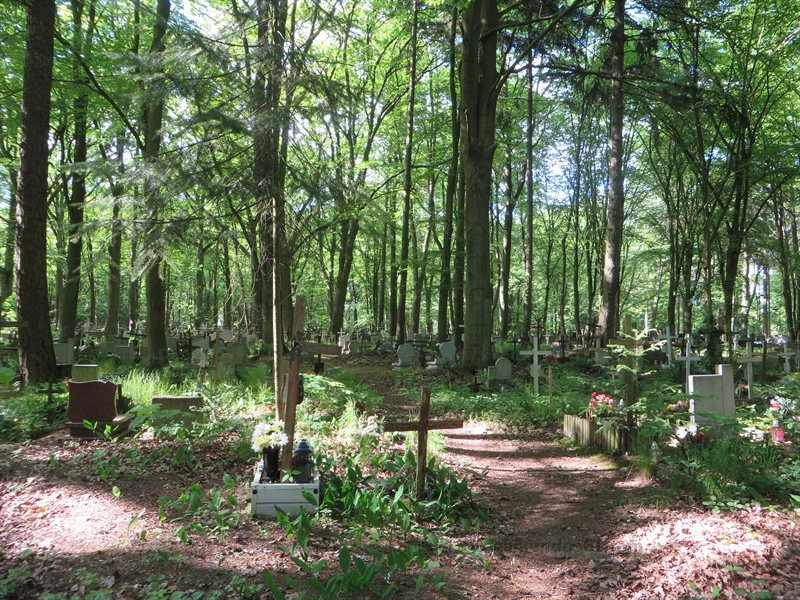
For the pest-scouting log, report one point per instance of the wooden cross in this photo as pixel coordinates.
(422, 427)
(293, 385)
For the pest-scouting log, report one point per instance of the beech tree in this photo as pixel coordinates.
(36, 357)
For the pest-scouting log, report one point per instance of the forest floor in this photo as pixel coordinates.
(565, 525)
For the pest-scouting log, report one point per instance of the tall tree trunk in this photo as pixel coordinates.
(7, 272)
(382, 286)
(504, 295)
(445, 281)
(82, 46)
(37, 361)
(459, 263)
(609, 308)
(115, 251)
(527, 302)
(393, 272)
(347, 237)
(479, 81)
(154, 284)
(404, 238)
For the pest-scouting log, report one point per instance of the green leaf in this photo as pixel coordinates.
(229, 482)
(420, 582)
(344, 559)
(135, 518)
(116, 492)
(310, 498)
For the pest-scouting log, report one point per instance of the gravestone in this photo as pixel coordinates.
(668, 338)
(95, 402)
(191, 406)
(355, 346)
(84, 373)
(144, 347)
(239, 353)
(344, 342)
(715, 394)
(446, 354)
(226, 365)
(172, 344)
(503, 369)
(65, 353)
(126, 354)
(107, 347)
(201, 342)
(405, 357)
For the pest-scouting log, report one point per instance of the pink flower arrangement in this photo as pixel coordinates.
(602, 405)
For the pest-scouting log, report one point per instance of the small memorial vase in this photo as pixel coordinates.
(272, 459)
(777, 431)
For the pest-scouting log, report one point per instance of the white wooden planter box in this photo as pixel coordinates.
(288, 496)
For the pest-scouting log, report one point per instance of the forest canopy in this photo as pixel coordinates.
(413, 166)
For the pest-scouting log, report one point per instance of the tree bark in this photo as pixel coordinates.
(445, 283)
(479, 79)
(402, 293)
(37, 360)
(115, 253)
(154, 284)
(609, 308)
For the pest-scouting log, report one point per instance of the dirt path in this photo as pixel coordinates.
(580, 526)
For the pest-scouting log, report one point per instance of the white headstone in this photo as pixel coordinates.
(65, 353)
(344, 342)
(446, 353)
(503, 369)
(405, 356)
(715, 394)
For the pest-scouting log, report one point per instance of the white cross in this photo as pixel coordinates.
(786, 355)
(669, 337)
(535, 353)
(748, 362)
(688, 359)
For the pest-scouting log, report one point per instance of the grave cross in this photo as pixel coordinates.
(535, 353)
(669, 337)
(293, 385)
(592, 327)
(688, 359)
(786, 355)
(748, 361)
(422, 427)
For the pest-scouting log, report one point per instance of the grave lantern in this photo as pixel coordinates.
(303, 461)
